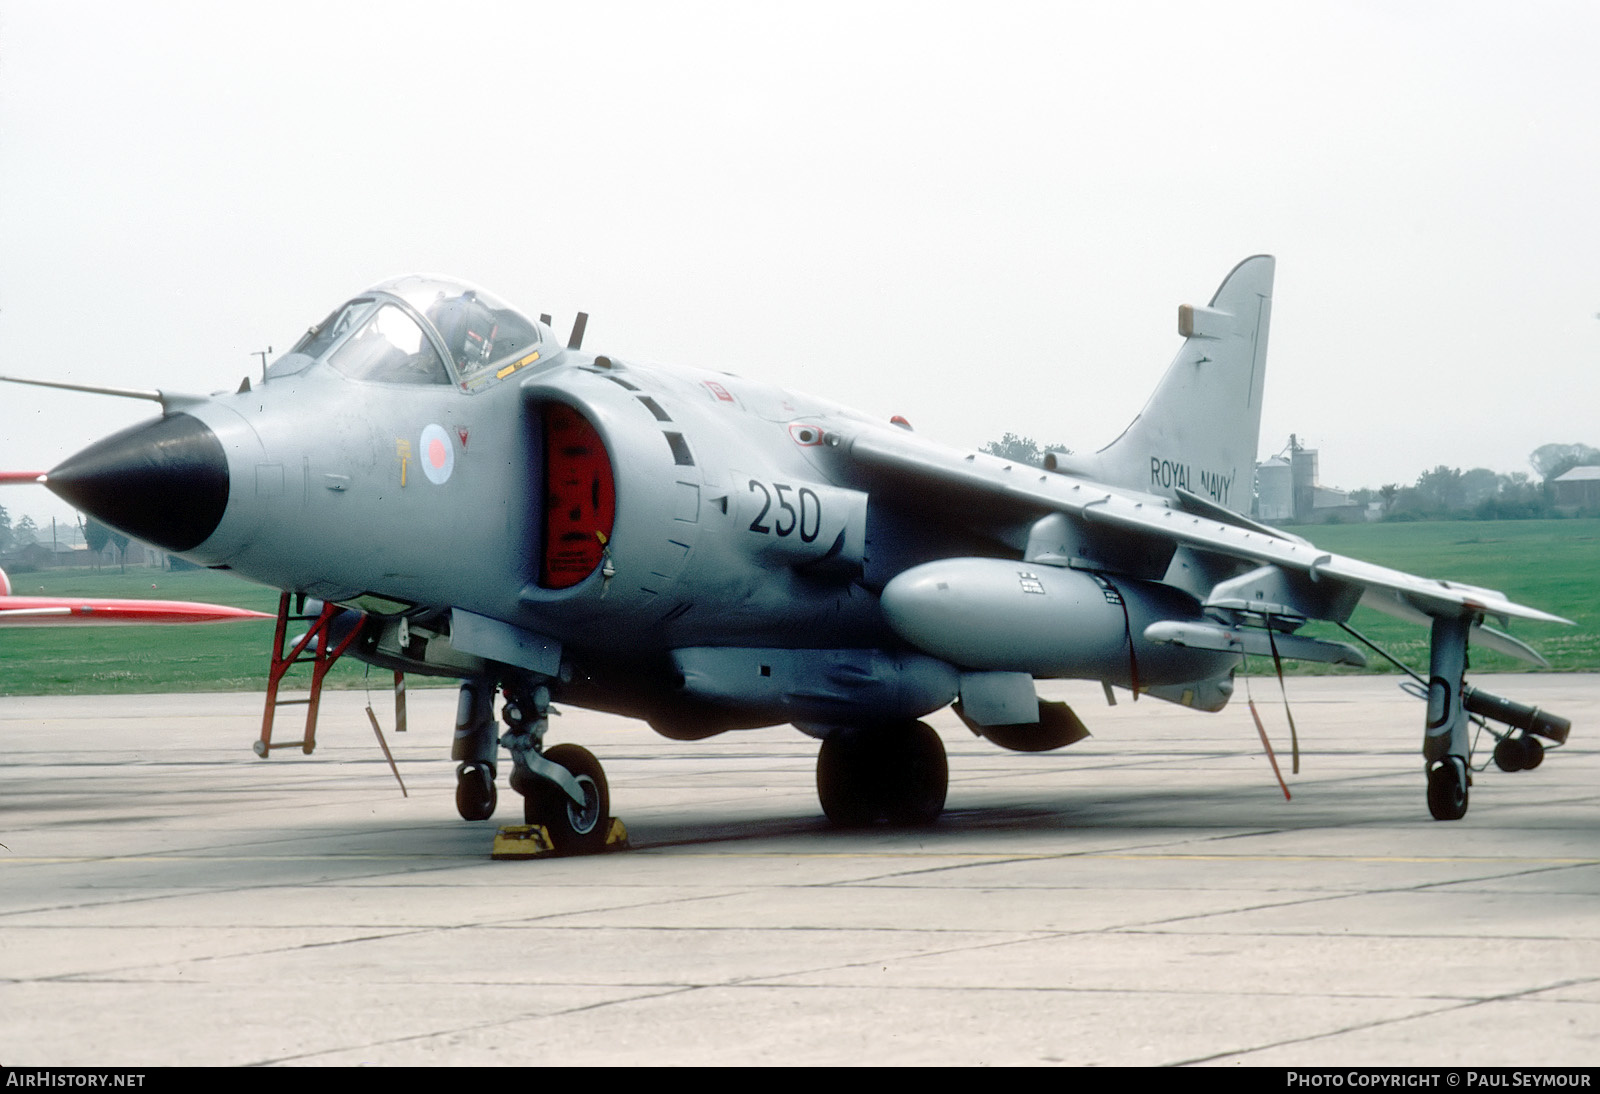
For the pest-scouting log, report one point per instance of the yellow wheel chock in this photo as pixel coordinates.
(520, 841)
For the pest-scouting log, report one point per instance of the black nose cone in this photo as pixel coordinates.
(165, 482)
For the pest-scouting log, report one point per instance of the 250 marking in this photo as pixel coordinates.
(804, 513)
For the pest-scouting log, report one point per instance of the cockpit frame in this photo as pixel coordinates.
(473, 339)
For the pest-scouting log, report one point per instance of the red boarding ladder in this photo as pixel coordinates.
(321, 660)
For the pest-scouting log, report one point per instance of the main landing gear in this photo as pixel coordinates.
(895, 772)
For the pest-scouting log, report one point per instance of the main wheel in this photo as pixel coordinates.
(1447, 791)
(895, 772)
(1532, 753)
(574, 829)
(475, 792)
(847, 783)
(916, 777)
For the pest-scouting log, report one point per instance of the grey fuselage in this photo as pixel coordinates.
(668, 542)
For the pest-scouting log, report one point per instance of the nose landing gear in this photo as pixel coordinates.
(574, 829)
(565, 800)
(563, 788)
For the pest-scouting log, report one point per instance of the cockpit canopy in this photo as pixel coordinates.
(420, 330)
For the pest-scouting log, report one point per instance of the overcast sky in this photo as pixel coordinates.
(981, 216)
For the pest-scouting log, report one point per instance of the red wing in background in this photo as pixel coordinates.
(46, 611)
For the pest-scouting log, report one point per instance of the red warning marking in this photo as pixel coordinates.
(1262, 730)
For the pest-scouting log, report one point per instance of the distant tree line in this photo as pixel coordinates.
(1554, 460)
(1020, 449)
(16, 539)
(20, 534)
(1448, 493)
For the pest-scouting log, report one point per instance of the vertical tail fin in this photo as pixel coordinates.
(1201, 428)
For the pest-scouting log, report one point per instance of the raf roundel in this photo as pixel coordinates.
(438, 455)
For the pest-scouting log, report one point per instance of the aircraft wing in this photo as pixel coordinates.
(40, 611)
(45, 611)
(1291, 576)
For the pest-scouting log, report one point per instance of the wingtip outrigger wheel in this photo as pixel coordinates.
(1448, 781)
(1446, 747)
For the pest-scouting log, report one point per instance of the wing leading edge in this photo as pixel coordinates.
(1307, 581)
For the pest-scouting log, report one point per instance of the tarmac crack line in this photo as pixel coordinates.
(1380, 1022)
(482, 1026)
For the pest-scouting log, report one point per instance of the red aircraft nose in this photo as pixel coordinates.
(163, 481)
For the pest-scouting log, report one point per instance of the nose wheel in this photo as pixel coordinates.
(574, 829)
(563, 787)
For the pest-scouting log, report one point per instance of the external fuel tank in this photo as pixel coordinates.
(986, 614)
